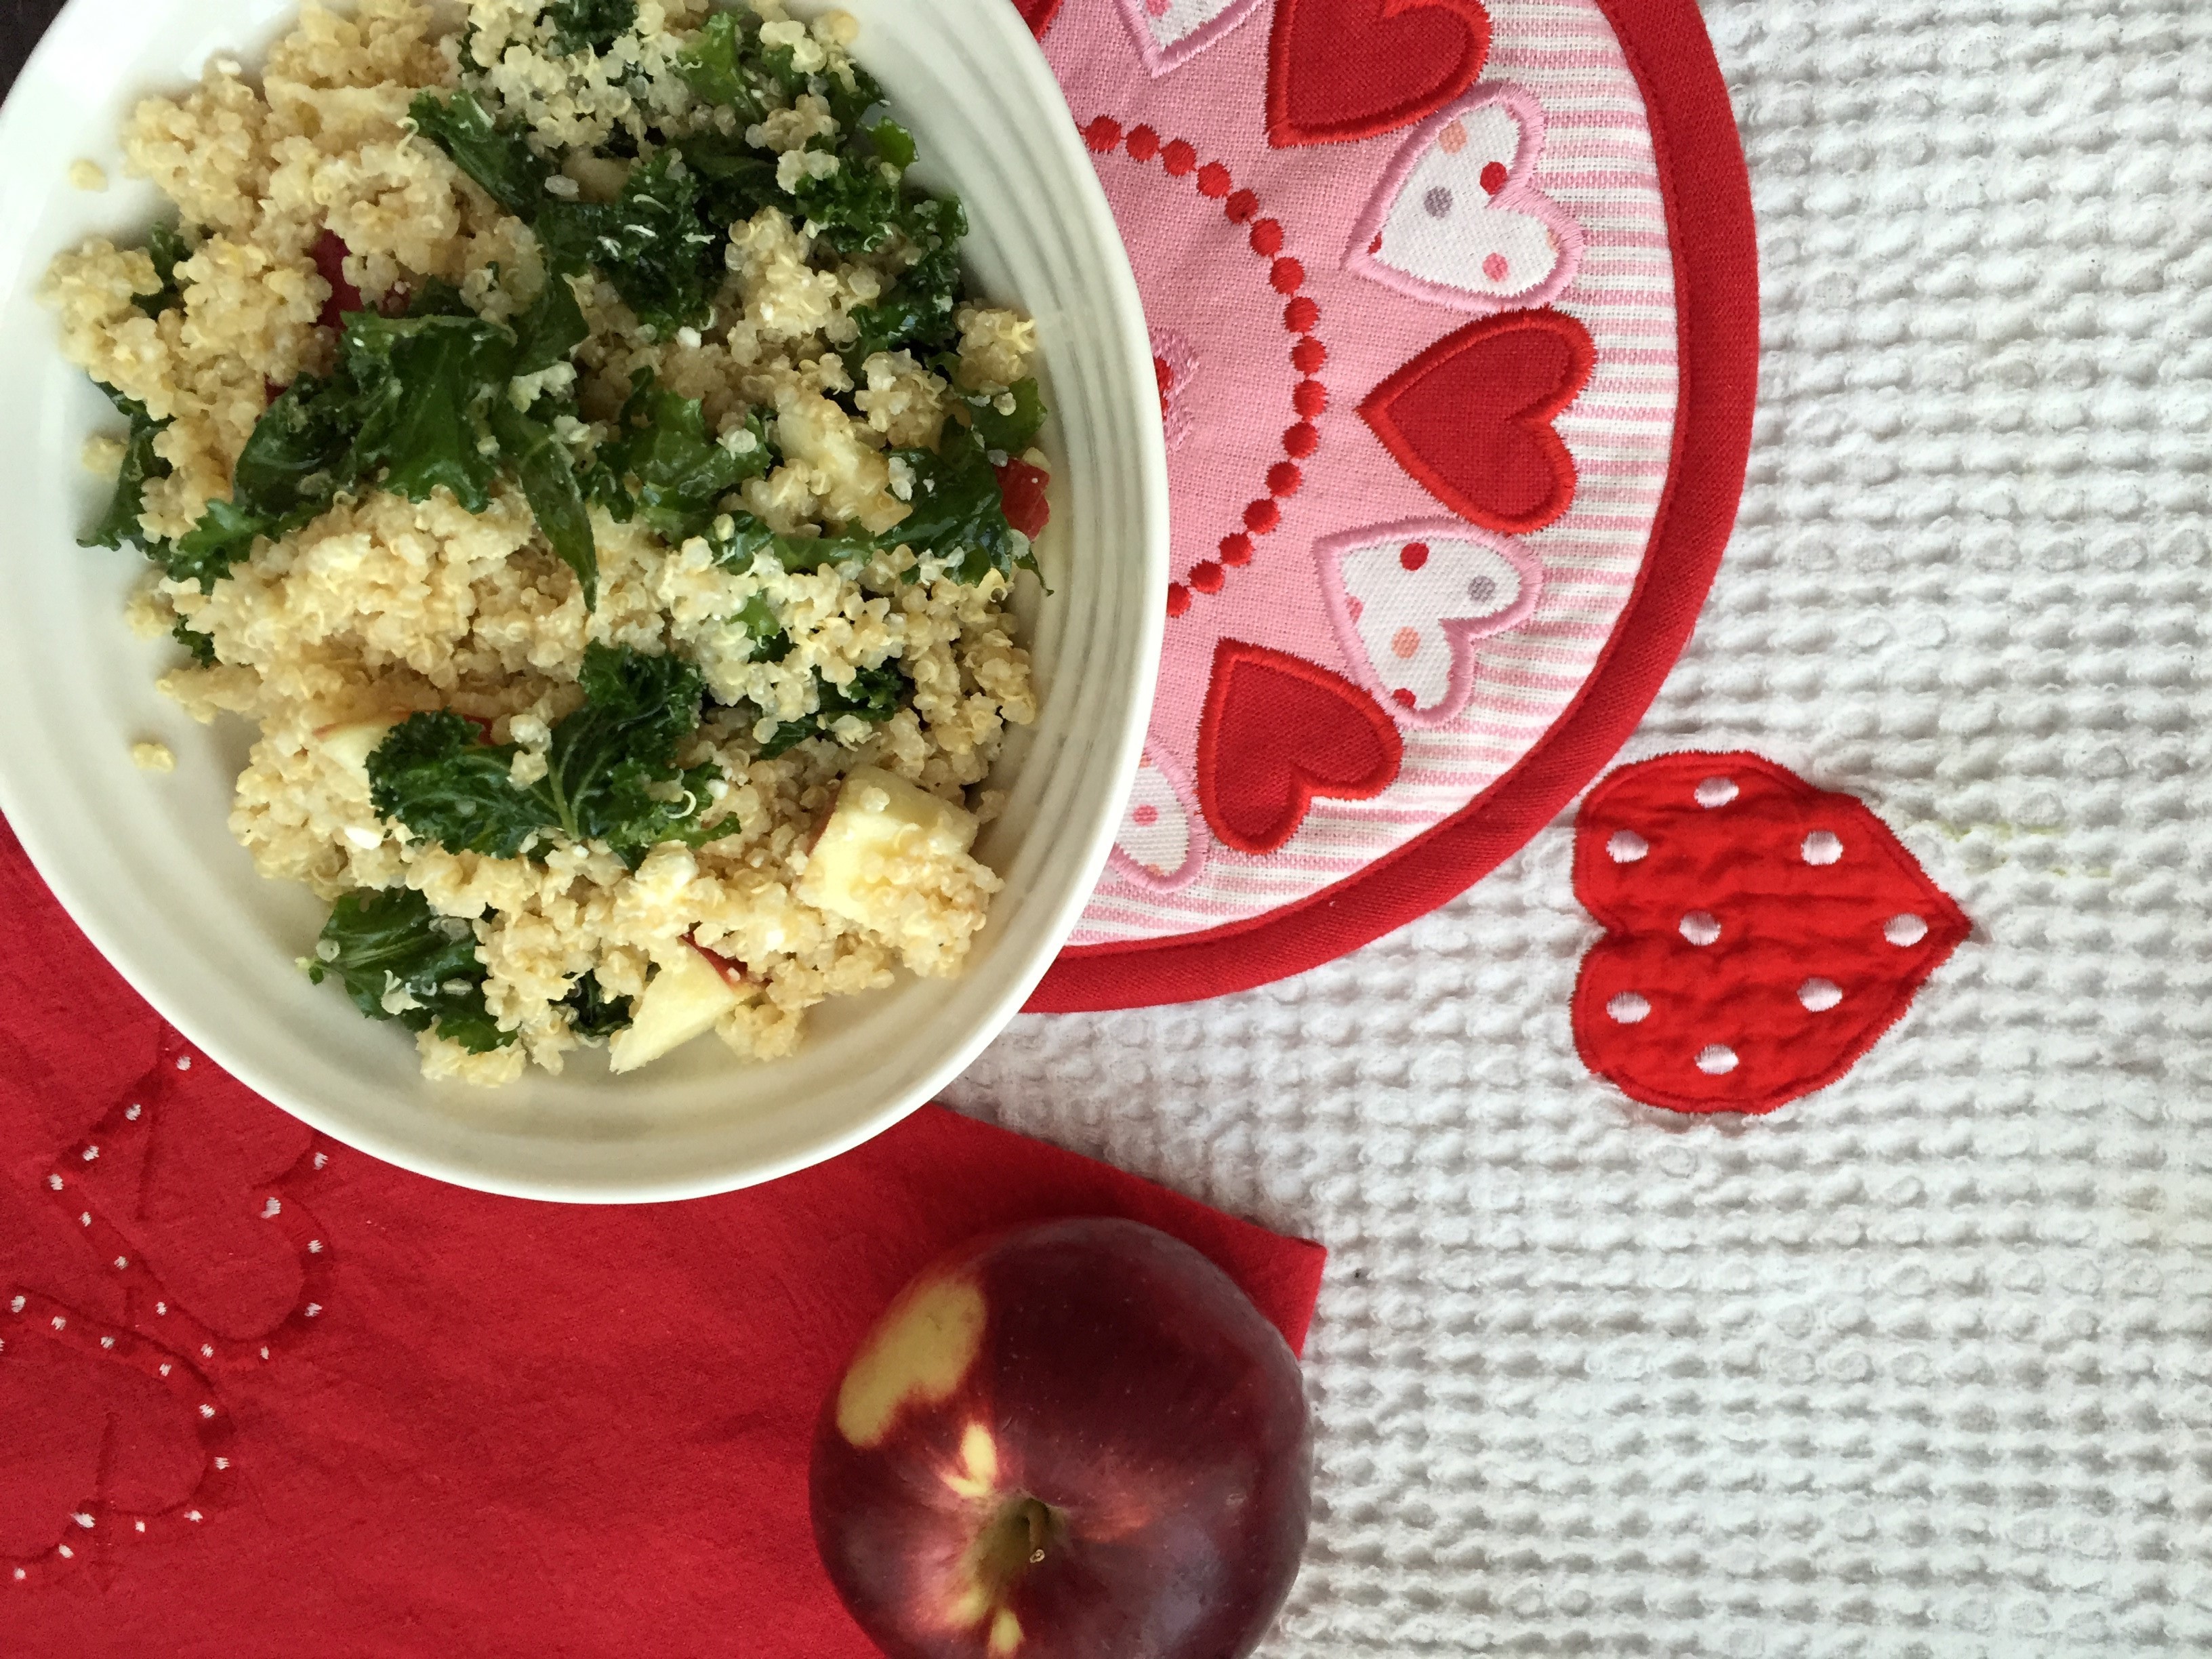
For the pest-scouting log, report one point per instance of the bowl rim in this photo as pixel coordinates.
(1115, 289)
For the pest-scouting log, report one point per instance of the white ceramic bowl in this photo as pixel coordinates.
(147, 867)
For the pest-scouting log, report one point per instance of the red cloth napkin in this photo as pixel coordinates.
(309, 1404)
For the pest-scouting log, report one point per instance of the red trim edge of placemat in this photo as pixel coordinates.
(1707, 189)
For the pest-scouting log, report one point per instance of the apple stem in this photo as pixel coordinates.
(1039, 1518)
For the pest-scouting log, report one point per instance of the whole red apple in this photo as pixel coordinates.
(1079, 1441)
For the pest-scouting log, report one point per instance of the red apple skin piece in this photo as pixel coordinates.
(1119, 1378)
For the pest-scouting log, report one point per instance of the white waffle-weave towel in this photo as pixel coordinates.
(1922, 1365)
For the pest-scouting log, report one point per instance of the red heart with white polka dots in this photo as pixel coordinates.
(1761, 934)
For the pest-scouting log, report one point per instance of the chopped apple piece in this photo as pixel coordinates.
(351, 743)
(893, 860)
(684, 1000)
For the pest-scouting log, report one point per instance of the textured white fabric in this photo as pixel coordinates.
(1921, 1365)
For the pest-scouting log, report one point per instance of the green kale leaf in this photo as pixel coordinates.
(739, 181)
(770, 642)
(610, 770)
(416, 402)
(958, 515)
(850, 95)
(119, 524)
(593, 1015)
(650, 242)
(1009, 433)
(299, 455)
(736, 543)
(681, 473)
(728, 64)
(205, 553)
(588, 25)
(433, 296)
(377, 945)
(898, 320)
(854, 209)
(611, 767)
(426, 383)
(892, 144)
(916, 315)
(551, 330)
(202, 645)
(166, 247)
(547, 472)
(498, 158)
(776, 71)
(436, 775)
(873, 694)
(715, 64)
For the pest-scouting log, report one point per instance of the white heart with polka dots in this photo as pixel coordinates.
(1170, 32)
(1159, 846)
(1458, 220)
(1410, 601)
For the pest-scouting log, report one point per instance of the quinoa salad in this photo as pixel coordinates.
(568, 439)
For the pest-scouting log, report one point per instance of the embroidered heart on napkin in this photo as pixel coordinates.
(1175, 366)
(1345, 69)
(193, 1202)
(1761, 935)
(1471, 418)
(1277, 732)
(127, 1446)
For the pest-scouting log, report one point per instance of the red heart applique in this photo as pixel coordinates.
(1038, 14)
(1344, 70)
(1471, 418)
(1761, 935)
(1279, 731)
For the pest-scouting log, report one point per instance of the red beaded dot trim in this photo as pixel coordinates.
(1301, 316)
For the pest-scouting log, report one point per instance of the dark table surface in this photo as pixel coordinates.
(21, 24)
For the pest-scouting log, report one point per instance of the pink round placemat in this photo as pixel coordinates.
(1455, 313)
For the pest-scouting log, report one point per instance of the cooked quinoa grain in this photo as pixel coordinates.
(569, 443)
